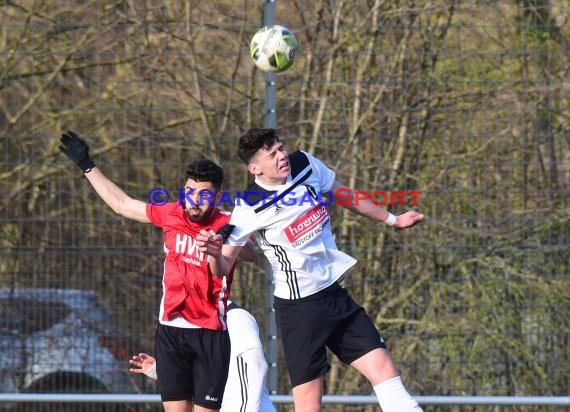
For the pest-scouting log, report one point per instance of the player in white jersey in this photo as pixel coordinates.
(285, 211)
(245, 389)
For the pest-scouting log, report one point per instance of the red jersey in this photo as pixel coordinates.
(189, 288)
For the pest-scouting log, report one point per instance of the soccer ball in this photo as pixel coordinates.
(273, 48)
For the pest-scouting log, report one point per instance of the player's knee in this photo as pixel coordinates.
(306, 407)
(307, 396)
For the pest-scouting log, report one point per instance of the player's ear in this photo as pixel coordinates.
(217, 197)
(253, 169)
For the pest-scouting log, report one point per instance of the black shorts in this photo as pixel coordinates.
(329, 318)
(192, 365)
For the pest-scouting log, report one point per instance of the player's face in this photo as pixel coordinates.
(200, 199)
(271, 165)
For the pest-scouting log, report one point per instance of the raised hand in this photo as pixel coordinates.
(77, 150)
(210, 243)
(408, 219)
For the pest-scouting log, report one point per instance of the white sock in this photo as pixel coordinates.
(393, 397)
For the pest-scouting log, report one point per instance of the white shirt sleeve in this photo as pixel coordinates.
(244, 224)
(326, 175)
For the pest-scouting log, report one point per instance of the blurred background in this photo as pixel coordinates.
(465, 101)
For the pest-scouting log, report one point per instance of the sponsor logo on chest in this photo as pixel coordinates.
(186, 245)
(310, 221)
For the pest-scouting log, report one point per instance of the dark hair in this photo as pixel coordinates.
(206, 171)
(255, 139)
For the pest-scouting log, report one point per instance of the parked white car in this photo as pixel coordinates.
(61, 341)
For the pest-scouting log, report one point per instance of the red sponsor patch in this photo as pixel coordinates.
(310, 220)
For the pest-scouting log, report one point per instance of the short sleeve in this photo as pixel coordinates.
(154, 214)
(244, 224)
(326, 175)
(157, 213)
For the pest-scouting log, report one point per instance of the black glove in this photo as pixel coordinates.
(77, 150)
(225, 231)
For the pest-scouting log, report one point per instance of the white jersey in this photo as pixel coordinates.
(245, 390)
(291, 224)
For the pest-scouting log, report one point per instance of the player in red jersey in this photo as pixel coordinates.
(192, 343)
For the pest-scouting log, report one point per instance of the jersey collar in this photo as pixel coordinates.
(276, 188)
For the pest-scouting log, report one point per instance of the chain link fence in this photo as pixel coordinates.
(463, 101)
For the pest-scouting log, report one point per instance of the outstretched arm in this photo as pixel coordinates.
(116, 198)
(369, 209)
(78, 151)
